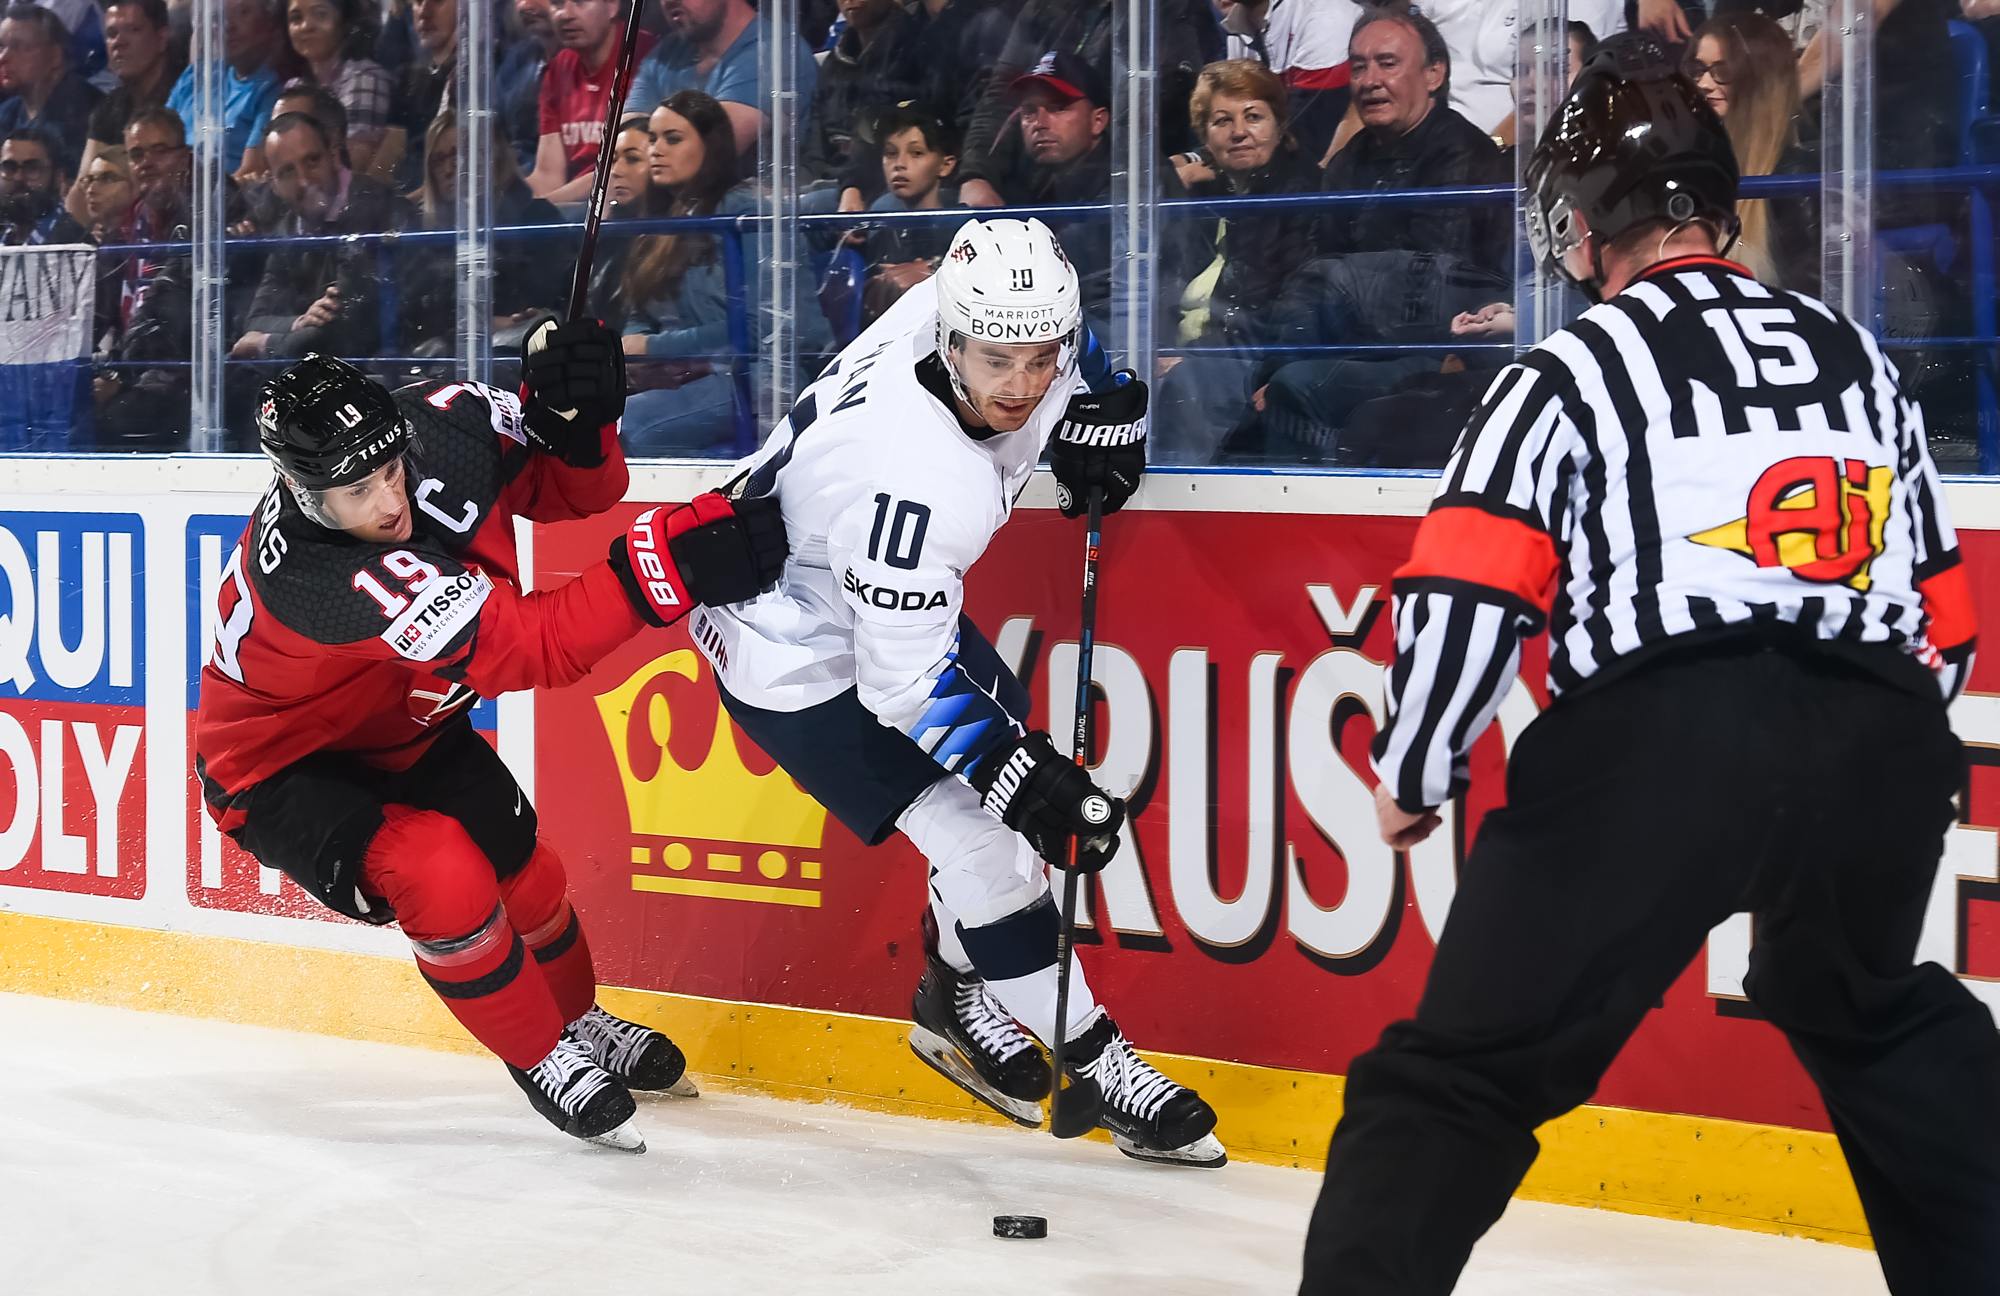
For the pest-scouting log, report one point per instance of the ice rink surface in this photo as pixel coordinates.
(144, 1153)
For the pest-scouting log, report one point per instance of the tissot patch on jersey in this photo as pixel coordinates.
(439, 609)
(505, 408)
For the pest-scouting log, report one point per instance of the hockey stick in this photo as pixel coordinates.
(1086, 641)
(593, 215)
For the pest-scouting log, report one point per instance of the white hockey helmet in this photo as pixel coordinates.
(1008, 281)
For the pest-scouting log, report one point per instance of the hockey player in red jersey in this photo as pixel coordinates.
(1718, 500)
(376, 593)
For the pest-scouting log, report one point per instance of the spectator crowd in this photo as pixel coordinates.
(1353, 330)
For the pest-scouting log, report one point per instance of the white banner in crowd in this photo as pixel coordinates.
(47, 304)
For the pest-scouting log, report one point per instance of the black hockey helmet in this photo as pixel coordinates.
(324, 423)
(1633, 141)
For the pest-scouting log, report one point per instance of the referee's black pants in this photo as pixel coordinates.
(1637, 818)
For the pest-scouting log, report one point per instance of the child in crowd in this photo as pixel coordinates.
(919, 154)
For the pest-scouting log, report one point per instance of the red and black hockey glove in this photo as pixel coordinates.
(1101, 441)
(705, 551)
(1048, 800)
(573, 384)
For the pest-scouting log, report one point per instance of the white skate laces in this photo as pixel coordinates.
(1127, 1081)
(618, 1041)
(989, 1024)
(569, 1075)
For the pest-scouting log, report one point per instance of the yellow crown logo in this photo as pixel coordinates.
(720, 799)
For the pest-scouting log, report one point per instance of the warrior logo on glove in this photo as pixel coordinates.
(1101, 442)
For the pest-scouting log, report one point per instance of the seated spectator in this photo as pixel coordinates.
(576, 93)
(626, 197)
(1064, 122)
(156, 144)
(316, 296)
(673, 291)
(424, 87)
(258, 209)
(332, 37)
(142, 382)
(31, 210)
(517, 81)
(1239, 110)
(1744, 67)
(524, 275)
(1581, 42)
(34, 64)
(870, 67)
(138, 39)
(1409, 139)
(1083, 29)
(108, 195)
(712, 46)
(918, 153)
(252, 40)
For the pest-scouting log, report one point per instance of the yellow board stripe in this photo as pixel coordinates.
(1767, 1178)
(726, 890)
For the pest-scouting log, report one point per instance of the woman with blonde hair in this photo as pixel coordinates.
(1240, 111)
(526, 270)
(1744, 66)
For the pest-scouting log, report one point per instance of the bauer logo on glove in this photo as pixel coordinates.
(1101, 443)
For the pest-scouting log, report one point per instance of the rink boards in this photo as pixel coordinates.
(1253, 930)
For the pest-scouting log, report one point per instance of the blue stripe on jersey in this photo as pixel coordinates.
(964, 719)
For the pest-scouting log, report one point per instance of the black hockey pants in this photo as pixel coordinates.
(1638, 817)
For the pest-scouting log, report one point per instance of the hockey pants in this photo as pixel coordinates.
(989, 892)
(451, 846)
(1638, 816)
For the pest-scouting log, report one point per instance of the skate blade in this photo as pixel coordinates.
(1206, 1152)
(626, 1138)
(945, 1059)
(682, 1088)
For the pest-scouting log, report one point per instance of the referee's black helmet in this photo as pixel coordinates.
(1632, 142)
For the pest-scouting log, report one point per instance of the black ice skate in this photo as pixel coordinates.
(964, 1033)
(1150, 1117)
(581, 1098)
(638, 1055)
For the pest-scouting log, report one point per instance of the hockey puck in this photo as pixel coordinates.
(1020, 1226)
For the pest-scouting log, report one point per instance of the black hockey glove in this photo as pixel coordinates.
(1047, 799)
(574, 380)
(1101, 441)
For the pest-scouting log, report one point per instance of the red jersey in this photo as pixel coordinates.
(328, 643)
(574, 102)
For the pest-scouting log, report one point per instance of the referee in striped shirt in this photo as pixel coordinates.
(1717, 499)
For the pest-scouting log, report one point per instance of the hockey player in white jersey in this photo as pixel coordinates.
(860, 674)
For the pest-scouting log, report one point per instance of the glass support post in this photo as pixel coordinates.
(474, 247)
(1847, 164)
(207, 215)
(1542, 299)
(1134, 217)
(777, 210)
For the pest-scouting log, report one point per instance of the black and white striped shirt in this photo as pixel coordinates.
(1697, 457)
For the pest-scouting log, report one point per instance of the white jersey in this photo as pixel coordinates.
(887, 504)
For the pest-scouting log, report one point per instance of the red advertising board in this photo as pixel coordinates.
(1258, 920)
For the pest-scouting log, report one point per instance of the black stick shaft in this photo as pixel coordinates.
(593, 215)
(1086, 641)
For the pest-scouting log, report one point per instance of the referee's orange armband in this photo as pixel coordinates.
(1480, 548)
